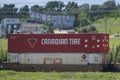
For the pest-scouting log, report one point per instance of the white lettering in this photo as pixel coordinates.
(74, 41)
(62, 41)
(54, 41)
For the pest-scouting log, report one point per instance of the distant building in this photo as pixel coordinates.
(30, 28)
(65, 32)
(56, 20)
(9, 25)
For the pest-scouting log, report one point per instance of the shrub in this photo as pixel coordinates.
(3, 54)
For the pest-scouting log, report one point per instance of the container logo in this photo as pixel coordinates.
(84, 57)
(32, 41)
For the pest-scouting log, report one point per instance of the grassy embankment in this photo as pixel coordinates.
(105, 25)
(111, 24)
(12, 75)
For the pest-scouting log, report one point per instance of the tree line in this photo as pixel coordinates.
(85, 14)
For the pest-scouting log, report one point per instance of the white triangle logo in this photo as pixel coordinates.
(32, 41)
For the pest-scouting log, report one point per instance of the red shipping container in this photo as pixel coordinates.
(96, 43)
(66, 43)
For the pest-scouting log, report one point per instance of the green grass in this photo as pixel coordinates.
(114, 42)
(3, 49)
(112, 25)
(3, 43)
(12, 75)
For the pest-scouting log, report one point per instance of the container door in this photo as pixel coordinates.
(13, 58)
(95, 59)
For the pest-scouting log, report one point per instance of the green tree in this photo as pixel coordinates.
(71, 6)
(8, 10)
(55, 6)
(92, 29)
(85, 7)
(117, 54)
(84, 30)
(95, 13)
(109, 5)
(82, 19)
(96, 7)
(110, 8)
(24, 12)
(37, 8)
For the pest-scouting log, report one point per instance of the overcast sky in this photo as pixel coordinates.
(21, 3)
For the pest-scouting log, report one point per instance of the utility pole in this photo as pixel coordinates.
(105, 25)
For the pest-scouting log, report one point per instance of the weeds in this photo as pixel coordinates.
(3, 54)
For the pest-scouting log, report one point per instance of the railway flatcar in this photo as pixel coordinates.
(57, 52)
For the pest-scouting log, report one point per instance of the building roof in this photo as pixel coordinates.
(64, 31)
(30, 25)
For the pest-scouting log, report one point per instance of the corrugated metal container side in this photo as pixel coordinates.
(58, 58)
(53, 58)
(13, 57)
(14, 43)
(53, 43)
(95, 58)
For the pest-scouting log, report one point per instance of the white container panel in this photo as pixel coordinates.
(57, 58)
(28, 58)
(81, 59)
(53, 58)
(21, 58)
(70, 59)
(37, 59)
(95, 58)
(74, 58)
(13, 57)
(64, 59)
(34, 59)
(31, 58)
